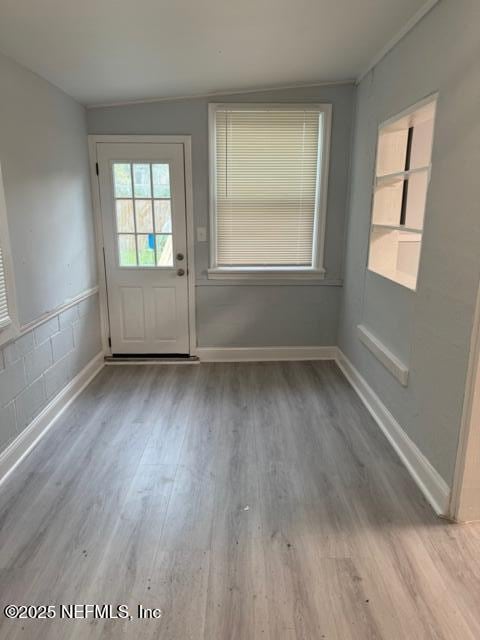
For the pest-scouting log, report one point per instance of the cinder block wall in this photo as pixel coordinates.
(39, 364)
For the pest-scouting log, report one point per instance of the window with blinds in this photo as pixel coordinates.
(4, 314)
(268, 168)
(7, 328)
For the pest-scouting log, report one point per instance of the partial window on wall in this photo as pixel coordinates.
(268, 184)
(402, 177)
(8, 329)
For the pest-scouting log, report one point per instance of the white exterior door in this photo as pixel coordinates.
(142, 194)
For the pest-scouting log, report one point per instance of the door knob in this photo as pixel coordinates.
(180, 272)
(180, 256)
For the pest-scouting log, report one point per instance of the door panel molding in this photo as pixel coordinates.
(185, 140)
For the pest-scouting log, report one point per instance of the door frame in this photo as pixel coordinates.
(465, 495)
(186, 141)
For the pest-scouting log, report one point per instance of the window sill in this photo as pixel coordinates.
(265, 274)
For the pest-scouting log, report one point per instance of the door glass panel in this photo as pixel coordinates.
(122, 178)
(164, 250)
(141, 180)
(163, 216)
(144, 224)
(125, 223)
(161, 180)
(127, 250)
(146, 250)
(143, 211)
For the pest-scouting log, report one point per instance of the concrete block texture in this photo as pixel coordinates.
(30, 402)
(38, 365)
(58, 376)
(12, 381)
(68, 317)
(16, 350)
(46, 330)
(62, 343)
(38, 361)
(8, 423)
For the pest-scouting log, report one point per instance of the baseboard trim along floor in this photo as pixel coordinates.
(429, 481)
(11, 457)
(265, 354)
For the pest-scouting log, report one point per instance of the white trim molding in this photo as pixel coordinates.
(408, 26)
(88, 293)
(11, 457)
(227, 92)
(428, 480)
(276, 274)
(390, 361)
(264, 354)
(465, 501)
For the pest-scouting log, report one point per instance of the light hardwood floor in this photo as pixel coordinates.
(246, 501)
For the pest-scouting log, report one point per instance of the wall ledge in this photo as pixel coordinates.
(396, 367)
(427, 478)
(55, 312)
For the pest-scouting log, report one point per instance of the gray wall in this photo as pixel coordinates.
(430, 329)
(43, 153)
(239, 314)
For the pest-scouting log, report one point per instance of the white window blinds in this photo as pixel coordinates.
(266, 185)
(5, 319)
(4, 314)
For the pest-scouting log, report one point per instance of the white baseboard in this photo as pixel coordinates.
(429, 481)
(264, 354)
(29, 437)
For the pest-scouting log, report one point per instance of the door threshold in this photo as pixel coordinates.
(151, 359)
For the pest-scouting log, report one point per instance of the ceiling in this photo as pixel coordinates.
(102, 51)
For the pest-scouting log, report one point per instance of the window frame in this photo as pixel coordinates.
(12, 330)
(317, 270)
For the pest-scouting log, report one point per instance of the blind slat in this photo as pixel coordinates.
(266, 184)
(4, 314)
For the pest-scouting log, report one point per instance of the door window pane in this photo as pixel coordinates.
(122, 178)
(146, 250)
(127, 251)
(141, 180)
(161, 180)
(144, 224)
(125, 222)
(163, 216)
(143, 211)
(164, 251)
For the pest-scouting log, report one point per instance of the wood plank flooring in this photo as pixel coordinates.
(246, 501)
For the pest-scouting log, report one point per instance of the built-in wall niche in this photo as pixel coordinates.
(402, 177)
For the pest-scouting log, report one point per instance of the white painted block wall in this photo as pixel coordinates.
(39, 364)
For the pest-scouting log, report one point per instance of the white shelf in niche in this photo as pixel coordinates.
(399, 176)
(402, 177)
(398, 228)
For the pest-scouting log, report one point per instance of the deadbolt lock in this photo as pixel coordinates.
(180, 272)
(180, 256)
